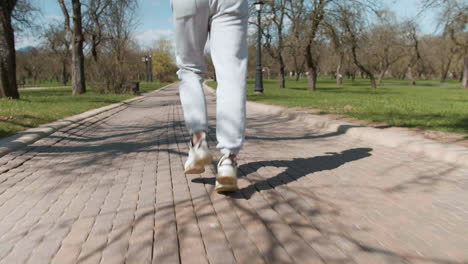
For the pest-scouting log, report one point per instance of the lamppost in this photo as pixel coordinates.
(259, 76)
(148, 66)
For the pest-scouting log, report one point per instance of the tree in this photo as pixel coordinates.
(57, 41)
(14, 15)
(446, 52)
(351, 20)
(163, 61)
(77, 39)
(111, 69)
(386, 42)
(295, 41)
(315, 15)
(274, 34)
(336, 35)
(413, 42)
(8, 85)
(454, 18)
(97, 16)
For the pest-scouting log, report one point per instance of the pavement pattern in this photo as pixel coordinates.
(111, 189)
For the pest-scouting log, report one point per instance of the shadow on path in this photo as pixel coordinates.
(295, 169)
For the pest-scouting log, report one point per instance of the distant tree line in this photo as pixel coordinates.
(349, 38)
(92, 46)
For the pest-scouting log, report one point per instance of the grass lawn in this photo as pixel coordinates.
(148, 87)
(38, 107)
(428, 105)
(30, 83)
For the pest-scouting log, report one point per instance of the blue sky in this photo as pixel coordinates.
(155, 18)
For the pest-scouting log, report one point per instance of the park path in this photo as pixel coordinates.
(111, 189)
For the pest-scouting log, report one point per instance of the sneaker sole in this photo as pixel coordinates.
(199, 166)
(194, 170)
(220, 188)
(226, 184)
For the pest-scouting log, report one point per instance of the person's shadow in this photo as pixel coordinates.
(295, 169)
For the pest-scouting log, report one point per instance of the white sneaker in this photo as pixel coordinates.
(199, 155)
(226, 180)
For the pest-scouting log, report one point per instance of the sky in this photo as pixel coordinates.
(155, 19)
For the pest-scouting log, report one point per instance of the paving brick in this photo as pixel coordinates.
(111, 189)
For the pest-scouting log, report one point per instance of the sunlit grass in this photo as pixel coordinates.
(429, 105)
(38, 107)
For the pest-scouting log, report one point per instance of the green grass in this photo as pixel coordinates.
(428, 105)
(148, 87)
(30, 83)
(38, 107)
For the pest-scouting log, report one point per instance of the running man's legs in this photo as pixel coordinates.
(228, 43)
(191, 20)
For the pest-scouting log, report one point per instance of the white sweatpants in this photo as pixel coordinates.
(226, 23)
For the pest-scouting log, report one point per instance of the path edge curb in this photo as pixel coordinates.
(440, 151)
(29, 136)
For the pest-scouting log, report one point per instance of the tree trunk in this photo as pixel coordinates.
(363, 69)
(339, 74)
(78, 74)
(8, 85)
(372, 81)
(296, 68)
(454, 75)
(281, 79)
(94, 52)
(64, 72)
(465, 72)
(311, 69)
(382, 74)
(300, 72)
(445, 70)
(312, 79)
(411, 76)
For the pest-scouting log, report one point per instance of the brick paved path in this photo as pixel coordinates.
(111, 190)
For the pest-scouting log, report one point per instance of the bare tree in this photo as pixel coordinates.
(77, 40)
(336, 36)
(351, 21)
(97, 17)
(315, 15)
(454, 18)
(112, 70)
(14, 15)
(57, 42)
(387, 42)
(295, 42)
(447, 55)
(316, 12)
(415, 53)
(8, 85)
(274, 31)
